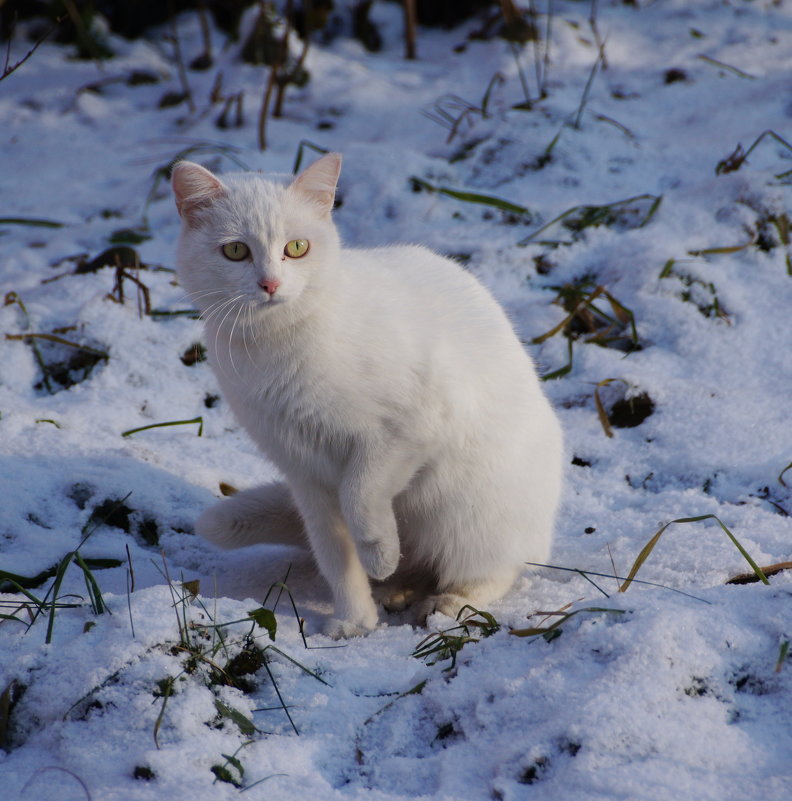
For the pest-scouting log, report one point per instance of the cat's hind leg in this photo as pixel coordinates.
(265, 514)
(454, 596)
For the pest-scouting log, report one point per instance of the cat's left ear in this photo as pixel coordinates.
(318, 182)
(194, 187)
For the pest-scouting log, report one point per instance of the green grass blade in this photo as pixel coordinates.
(31, 221)
(300, 148)
(94, 593)
(592, 216)
(783, 652)
(167, 690)
(562, 371)
(280, 698)
(265, 618)
(56, 585)
(470, 197)
(587, 573)
(298, 664)
(198, 420)
(244, 723)
(649, 547)
(192, 313)
(24, 583)
(587, 88)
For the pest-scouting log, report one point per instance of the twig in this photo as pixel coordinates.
(283, 57)
(262, 123)
(295, 71)
(409, 29)
(180, 62)
(8, 70)
(595, 30)
(274, 79)
(548, 33)
(205, 34)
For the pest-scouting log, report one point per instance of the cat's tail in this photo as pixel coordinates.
(263, 514)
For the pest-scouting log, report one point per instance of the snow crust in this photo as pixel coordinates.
(661, 695)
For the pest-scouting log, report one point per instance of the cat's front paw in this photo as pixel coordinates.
(379, 558)
(344, 629)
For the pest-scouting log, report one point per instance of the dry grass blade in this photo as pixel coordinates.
(581, 304)
(718, 251)
(768, 570)
(587, 322)
(60, 341)
(736, 159)
(649, 547)
(415, 690)
(728, 67)
(167, 688)
(451, 111)
(601, 413)
(538, 631)
(781, 475)
(48, 768)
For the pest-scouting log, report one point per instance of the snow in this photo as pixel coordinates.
(660, 694)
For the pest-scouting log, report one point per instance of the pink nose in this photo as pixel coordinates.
(269, 285)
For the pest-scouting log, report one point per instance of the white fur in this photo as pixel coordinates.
(387, 386)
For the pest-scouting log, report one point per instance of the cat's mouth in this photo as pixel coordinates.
(265, 301)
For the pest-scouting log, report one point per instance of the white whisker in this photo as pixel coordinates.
(215, 309)
(248, 323)
(231, 303)
(230, 338)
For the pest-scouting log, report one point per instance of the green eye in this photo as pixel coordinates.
(296, 248)
(236, 251)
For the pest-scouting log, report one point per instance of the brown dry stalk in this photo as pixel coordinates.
(751, 578)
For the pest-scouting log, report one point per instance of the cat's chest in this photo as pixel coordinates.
(300, 415)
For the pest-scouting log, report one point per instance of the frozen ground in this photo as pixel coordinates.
(659, 695)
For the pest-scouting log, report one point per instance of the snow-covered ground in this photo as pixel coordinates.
(647, 694)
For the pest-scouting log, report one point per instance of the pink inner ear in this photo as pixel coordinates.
(194, 187)
(319, 180)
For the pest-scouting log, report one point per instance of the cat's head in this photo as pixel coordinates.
(255, 243)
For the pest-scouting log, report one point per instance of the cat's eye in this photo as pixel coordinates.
(296, 248)
(236, 251)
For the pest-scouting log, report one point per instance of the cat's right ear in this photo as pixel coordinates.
(194, 188)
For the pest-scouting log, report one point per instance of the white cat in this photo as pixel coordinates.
(386, 385)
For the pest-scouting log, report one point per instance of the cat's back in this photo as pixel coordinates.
(409, 267)
(410, 293)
